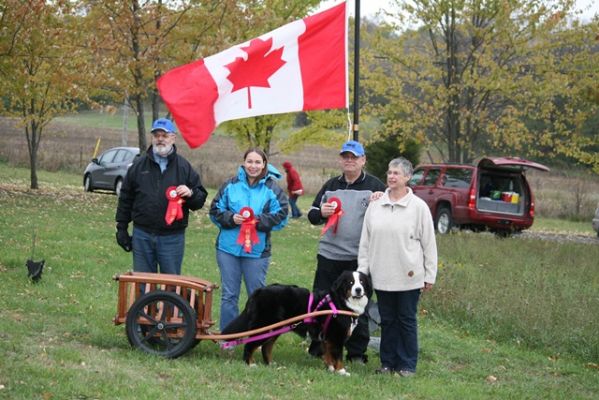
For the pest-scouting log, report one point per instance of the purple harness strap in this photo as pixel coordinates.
(232, 343)
(308, 320)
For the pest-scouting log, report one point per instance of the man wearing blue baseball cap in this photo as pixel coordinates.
(159, 190)
(338, 248)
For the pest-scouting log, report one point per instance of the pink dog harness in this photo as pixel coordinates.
(308, 320)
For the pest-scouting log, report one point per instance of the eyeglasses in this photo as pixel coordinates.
(349, 156)
(162, 135)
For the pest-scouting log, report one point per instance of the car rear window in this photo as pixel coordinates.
(121, 156)
(108, 156)
(416, 177)
(431, 177)
(457, 178)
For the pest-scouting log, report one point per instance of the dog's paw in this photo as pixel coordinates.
(252, 365)
(342, 371)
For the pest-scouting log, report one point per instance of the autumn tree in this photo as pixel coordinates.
(128, 39)
(42, 68)
(474, 77)
(135, 41)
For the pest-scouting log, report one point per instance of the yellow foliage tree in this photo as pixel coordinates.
(472, 78)
(42, 66)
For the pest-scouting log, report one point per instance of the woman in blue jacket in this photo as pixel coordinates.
(246, 208)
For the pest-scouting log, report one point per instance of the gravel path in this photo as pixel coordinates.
(562, 237)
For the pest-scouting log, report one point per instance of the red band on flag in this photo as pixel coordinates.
(333, 220)
(325, 83)
(190, 93)
(247, 233)
(174, 210)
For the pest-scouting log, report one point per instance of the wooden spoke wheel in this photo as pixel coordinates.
(161, 323)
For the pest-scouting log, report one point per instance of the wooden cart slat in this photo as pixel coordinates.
(195, 290)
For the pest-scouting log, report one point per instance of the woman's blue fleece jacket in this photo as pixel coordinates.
(265, 197)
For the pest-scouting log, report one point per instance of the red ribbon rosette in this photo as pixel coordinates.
(174, 210)
(333, 220)
(247, 233)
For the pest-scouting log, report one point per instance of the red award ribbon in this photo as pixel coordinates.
(174, 210)
(333, 220)
(247, 233)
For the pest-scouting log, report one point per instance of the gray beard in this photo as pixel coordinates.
(163, 150)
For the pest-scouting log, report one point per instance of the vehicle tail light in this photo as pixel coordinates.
(531, 211)
(472, 199)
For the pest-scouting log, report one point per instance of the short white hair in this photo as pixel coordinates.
(404, 164)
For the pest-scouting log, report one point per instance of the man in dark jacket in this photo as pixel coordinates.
(338, 247)
(157, 193)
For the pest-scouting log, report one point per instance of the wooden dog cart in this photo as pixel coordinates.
(167, 315)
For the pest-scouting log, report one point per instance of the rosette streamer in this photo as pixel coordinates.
(333, 220)
(248, 235)
(174, 210)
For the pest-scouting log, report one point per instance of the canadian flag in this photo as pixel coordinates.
(297, 67)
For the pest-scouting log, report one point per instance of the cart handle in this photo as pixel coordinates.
(289, 321)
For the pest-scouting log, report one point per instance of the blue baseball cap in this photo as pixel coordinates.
(164, 124)
(353, 147)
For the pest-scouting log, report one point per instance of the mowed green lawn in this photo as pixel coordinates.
(507, 319)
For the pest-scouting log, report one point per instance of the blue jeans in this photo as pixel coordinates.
(399, 329)
(295, 211)
(151, 250)
(232, 268)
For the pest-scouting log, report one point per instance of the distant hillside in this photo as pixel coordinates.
(69, 147)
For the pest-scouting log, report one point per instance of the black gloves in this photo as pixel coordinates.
(123, 238)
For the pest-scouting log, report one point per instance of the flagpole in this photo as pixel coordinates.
(356, 125)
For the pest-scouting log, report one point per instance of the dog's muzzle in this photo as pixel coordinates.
(357, 293)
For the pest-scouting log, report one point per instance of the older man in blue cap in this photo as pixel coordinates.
(338, 247)
(159, 190)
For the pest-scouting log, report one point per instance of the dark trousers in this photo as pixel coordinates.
(151, 251)
(399, 329)
(295, 211)
(327, 271)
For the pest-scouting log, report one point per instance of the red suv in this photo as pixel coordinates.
(492, 194)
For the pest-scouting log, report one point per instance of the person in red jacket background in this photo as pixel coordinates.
(294, 188)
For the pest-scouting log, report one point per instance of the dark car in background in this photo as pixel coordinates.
(108, 171)
(491, 194)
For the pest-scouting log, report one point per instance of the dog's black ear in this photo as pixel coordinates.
(340, 281)
(367, 284)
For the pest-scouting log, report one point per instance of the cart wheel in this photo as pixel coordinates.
(161, 323)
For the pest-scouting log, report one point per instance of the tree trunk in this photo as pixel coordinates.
(154, 91)
(138, 76)
(452, 106)
(141, 125)
(155, 102)
(33, 134)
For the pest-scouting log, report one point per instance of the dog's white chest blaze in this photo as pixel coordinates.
(354, 323)
(358, 300)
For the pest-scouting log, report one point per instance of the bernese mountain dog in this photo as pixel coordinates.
(276, 302)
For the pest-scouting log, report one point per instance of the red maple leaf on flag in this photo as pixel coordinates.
(258, 67)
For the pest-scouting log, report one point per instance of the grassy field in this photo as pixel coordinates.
(508, 318)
